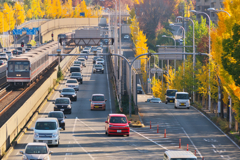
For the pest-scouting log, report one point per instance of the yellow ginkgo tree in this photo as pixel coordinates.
(19, 13)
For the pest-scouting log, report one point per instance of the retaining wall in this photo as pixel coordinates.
(13, 126)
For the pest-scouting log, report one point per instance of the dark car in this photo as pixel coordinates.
(75, 69)
(98, 68)
(63, 104)
(19, 48)
(77, 76)
(95, 59)
(69, 92)
(139, 89)
(15, 52)
(60, 117)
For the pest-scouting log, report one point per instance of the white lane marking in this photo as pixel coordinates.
(213, 146)
(149, 139)
(109, 95)
(214, 151)
(77, 141)
(217, 127)
(192, 142)
(99, 134)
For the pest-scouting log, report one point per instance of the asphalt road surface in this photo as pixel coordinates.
(84, 137)
(189, 125)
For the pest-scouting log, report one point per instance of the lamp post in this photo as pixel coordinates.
(164, 36)
(219, 94)
(209, 48)
(180, 17)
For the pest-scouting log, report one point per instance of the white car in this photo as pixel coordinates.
(82, 60)
(3, 56)
(100, 61)
(47, 130)
(36, 151)
(99, 50)
(72, 83)
(78, 63)
(155, 100)
(126, 37)
(182, 100)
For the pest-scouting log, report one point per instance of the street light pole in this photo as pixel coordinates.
(209, 48)
(120, 59)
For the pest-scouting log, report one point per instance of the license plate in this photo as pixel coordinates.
(62, 109)
(45, 142)
(182, 104)
(171, 100)
(96, 106)
(119, 131)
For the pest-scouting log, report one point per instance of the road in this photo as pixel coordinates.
(84, 136)
(190, 126)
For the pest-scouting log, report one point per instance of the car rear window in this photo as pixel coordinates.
(118, 120)
(46, 126)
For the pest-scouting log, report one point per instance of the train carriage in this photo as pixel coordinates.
(24, 69)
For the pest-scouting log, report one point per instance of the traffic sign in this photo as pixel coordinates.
(17, 31)
(159, 71)
(25, 29)
(153, 70)
(31, 32)
(36, 29)
(82, 14)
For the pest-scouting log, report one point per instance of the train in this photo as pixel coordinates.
(23, 69)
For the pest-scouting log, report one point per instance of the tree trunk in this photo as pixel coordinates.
(236, 125)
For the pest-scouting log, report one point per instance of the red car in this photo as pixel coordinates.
(117, 124)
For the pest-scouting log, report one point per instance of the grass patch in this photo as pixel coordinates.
(222, 123)
(197, 105)
(135, 121)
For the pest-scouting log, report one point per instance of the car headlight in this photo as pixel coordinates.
(36, 135)
(69, 106)
(74, 95)
(54, 135)
(126, 126)
(46, 158)
(24, 157)
(62, 121)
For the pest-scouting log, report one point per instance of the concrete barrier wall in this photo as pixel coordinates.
(3, 70)
(14, 125)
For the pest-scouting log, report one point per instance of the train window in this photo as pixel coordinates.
(22, 66)
(10, 66)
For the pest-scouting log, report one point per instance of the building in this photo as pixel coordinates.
(203, 5)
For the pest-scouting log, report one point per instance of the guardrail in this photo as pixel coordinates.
(13, 126)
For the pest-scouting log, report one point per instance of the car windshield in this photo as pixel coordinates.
(62, 101)
(56, 114)
(36, 150)
(68, 90)
(118, 120)
(182, 96)
(171, 92)
(99, 59)
(139, 87)
(46, 126)
(76, 74)
(97, 98)
(98, 65)
(71, 81)
(81, 59)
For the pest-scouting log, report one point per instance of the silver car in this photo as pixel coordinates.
(36, 151)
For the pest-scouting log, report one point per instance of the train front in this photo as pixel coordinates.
(18, 72)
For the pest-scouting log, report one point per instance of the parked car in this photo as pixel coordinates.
(126, 37)
(69, 92)
(170, 95)
(98, 68)
(63, 104)
(60, 117)
(72, 83)
(77, 76)
(46, 130)
(155, 100)
(100, 61)
(117, 124)
(98, 102)
(36, 151)
(182, 100)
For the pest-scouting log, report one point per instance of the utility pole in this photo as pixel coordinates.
(120, 59)
(115, 43)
